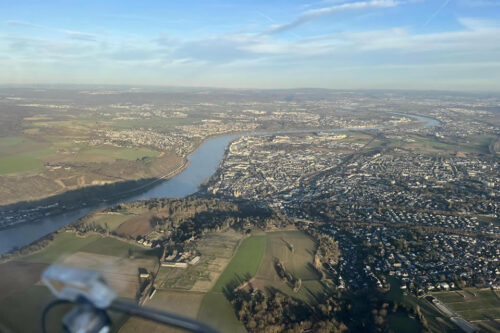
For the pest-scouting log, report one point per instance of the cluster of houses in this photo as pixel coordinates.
(179, 143)
(271, 167)
(179, 259)
(421, 262)
(425, 220)
(147, 242)
(396, 186)
(412, 180)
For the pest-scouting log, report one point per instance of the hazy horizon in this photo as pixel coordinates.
(450, 45)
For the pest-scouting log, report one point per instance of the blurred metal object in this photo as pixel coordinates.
(72, 284)
(161, 317)
(85, 318)
(94, 297)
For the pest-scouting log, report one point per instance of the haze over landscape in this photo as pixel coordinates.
(279, 166)
(410, 44)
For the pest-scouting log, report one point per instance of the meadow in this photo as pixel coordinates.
(479, 144)
(215, 309)
(107, 221)
(472, 304)
(23, 297)
(18, 154)
(244, 264)
(298, 261)
(49, 157)
(129, 154)
(254, 261)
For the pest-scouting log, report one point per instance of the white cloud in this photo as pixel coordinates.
(314, 14)
(475, 43)
(69, 33)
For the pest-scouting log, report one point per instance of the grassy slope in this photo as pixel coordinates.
(112, 221)
(476, 144)
(298, 263)
(19, 154)
(21, 311)
(117, 248)
(64, 243)
(130, 154)
(255, 257)
(480, 307)
(215, 309)
(22, 156)
(245, 263)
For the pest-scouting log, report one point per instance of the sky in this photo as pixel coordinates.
(339, 44)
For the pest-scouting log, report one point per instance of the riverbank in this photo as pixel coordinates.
(29, 211)
(201, 165)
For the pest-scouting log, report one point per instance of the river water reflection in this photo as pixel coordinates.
(202, 164)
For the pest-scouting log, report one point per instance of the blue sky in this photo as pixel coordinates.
(342, 44)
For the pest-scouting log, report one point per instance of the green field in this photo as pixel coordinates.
(21, 309)
(188, 291)
(129, 154)
(244, 264)
(472, 304)
(19, 154)
(12, 141)
(476, 144)
(117, 248)
(217, 311)
(298, 263)
(216, 251)
(255, 258)
(108, 221)
(65, 243)
(19, 163)
(22, 312)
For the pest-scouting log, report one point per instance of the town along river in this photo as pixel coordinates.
(202, 164)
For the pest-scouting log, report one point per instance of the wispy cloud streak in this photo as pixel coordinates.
(443, 5)
(69, 33)
(314, 14)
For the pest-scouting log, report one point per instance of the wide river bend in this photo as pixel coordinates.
(202, 164)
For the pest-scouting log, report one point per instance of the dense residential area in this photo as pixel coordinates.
(290, 212)
(328, 166)
(412, 205)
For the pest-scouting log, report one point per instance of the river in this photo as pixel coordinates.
(202, 164)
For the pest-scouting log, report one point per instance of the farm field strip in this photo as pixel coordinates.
(215, 309)
(244, 264)
(472, 305)
(109, 255)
